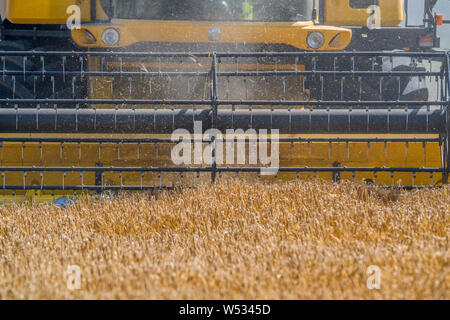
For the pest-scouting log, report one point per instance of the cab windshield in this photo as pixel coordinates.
(210, 10)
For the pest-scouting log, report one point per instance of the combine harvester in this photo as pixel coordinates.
(93, 108)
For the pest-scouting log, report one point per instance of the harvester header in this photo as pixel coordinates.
(140, 99)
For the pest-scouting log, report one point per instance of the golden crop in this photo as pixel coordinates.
(232, 240)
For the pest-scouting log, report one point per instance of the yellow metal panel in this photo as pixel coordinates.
(43, 11)
(339, 12)
(134, 31)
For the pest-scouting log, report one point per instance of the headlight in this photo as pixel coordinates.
(110, 37)
(315, 40)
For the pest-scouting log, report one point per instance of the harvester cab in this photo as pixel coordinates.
(379, 25)
(145, 95)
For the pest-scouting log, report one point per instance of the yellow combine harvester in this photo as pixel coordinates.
(92, 92)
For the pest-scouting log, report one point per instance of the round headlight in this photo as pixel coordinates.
(110, 37)
(315, 40)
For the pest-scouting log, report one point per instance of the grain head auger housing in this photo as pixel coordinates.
(150, 102)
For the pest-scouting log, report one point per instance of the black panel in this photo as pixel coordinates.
(362, 4)
(386, 38)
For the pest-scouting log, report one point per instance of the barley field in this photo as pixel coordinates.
(232, 240)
